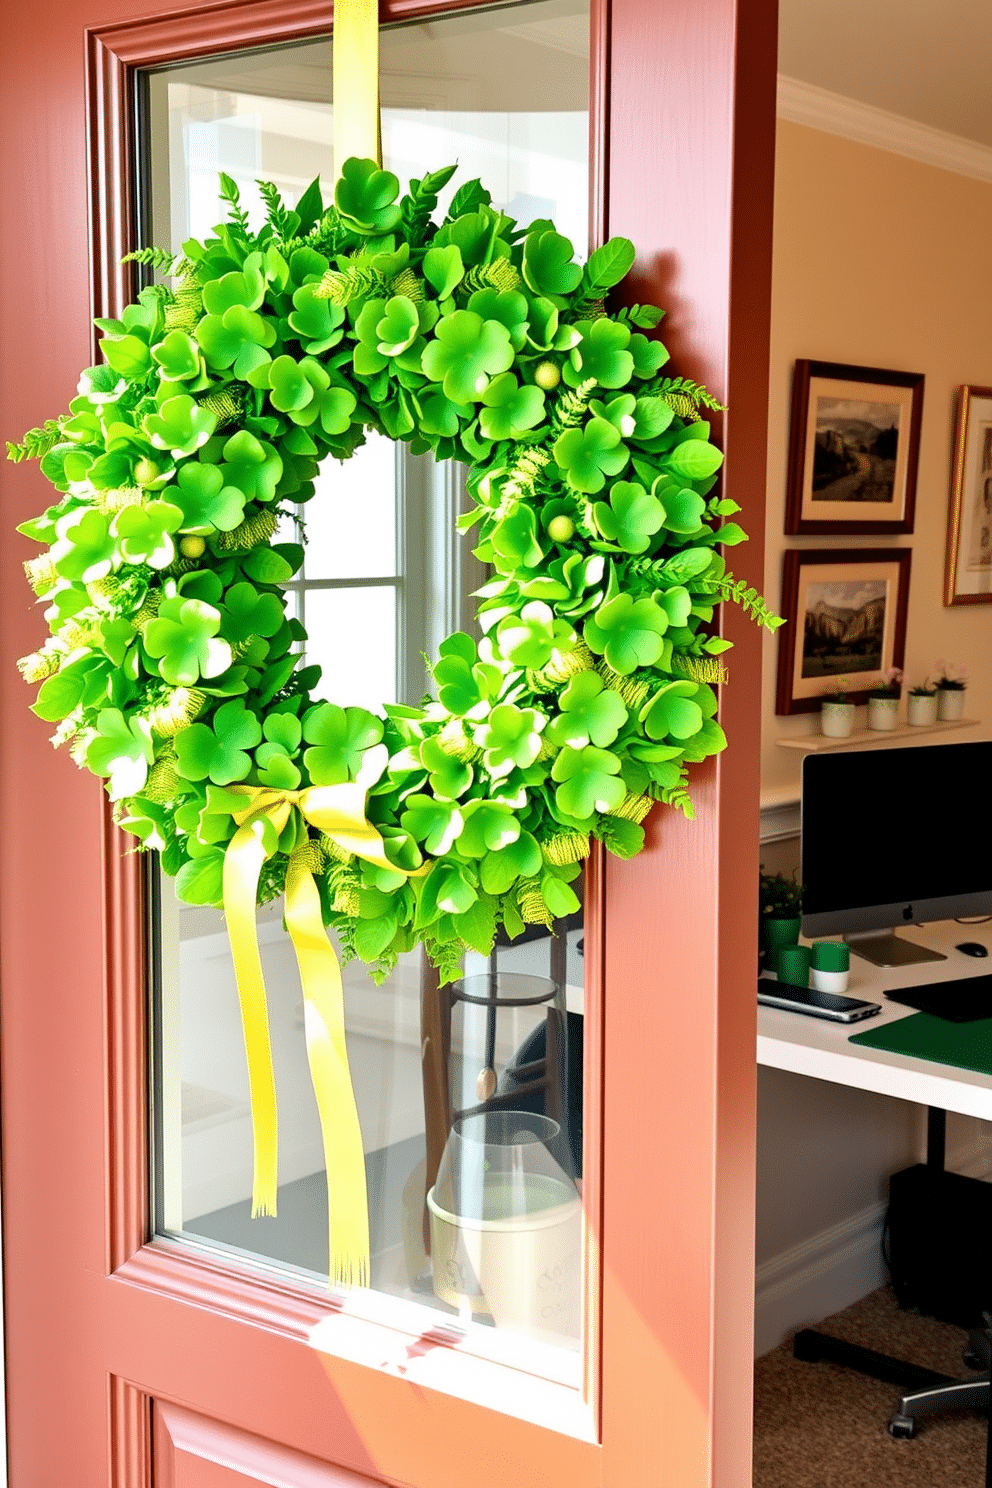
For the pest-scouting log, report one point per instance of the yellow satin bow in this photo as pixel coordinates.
(338, 811)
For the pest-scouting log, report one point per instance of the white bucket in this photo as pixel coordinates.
(523, 1270)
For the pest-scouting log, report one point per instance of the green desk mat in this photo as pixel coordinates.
(965, 1045)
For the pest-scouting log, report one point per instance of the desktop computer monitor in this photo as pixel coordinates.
(895, 837)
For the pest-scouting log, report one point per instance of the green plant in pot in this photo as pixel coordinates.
(780, 902)
(921, 704)
(883, 700)
(837, 709)
(951, 686)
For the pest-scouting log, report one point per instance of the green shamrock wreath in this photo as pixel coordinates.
(172, 668)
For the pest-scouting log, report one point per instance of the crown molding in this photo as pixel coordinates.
(817, 108)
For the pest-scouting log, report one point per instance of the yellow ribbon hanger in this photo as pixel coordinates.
(355, 65)
(339, 812)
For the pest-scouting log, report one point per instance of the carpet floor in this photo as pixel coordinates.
(820, 1426)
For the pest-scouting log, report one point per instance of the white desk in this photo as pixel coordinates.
(820, 1049)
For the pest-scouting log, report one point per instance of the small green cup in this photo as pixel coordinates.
(792, 965)
(830, 955)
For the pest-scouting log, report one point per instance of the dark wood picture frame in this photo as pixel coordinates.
(969, 513)
(800, 511)
(804, 695)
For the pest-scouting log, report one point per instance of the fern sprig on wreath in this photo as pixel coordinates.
(36, 442)
(685, 397)
(738, 591)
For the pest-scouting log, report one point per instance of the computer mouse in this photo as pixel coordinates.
(972, 948)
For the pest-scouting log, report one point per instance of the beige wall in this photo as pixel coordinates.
(883, 262)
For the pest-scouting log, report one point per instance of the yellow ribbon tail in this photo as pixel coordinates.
(242, 865)
(355, 63)
(344, 1153)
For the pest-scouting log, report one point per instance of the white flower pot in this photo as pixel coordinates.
(836, 719)
(921, 709)
(829, 981)
(883, 713)
(950, 703)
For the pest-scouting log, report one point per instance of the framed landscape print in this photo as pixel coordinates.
(853, 449)
(969, 522)
(845, 615)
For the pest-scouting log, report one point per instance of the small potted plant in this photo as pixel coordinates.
(883, 700)
(950, 690)
(780, 902)
(921, 704)
(837, 710)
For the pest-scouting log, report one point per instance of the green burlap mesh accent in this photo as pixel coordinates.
(454, 741)
(226, 405)
(149, 609)
(333, 851)
(44, 662)
(632, 692)
(176, 711)
(248, 534)
(118, 498)
(343, 882)
(309, 857)
(633, 808)
(163, 778)
(566, 847)
(41, 573)
(700, 668)
(566, 664)
(532, 907)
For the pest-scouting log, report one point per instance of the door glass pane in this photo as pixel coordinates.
(361, 674)
(504, 92)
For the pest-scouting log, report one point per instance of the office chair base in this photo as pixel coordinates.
(924, 1391)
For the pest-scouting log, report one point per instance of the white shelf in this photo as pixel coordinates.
(817, 742)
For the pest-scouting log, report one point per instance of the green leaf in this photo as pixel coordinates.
(628, 632)
(602, 353)
(122, 749)
(202, 880)
(694, 460)
(632, 517)
(488, 827)
(443, 268)
(589, 455)
(560, 899)
(511, 737)
(365, 196)
(465, 353)
(434, 823)
(509, 408)
(218, 751)
(547, 264)
(591, 714)
(609, 264)
(519, 859)
(589, 781)
(339, 738)
(183, 636)
(673, 712)
(180, 426)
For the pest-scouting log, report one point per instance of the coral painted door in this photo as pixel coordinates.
(138, 1357)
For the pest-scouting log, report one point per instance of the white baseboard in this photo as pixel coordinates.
(833, 1268)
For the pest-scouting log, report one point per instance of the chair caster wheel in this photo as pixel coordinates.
(903, 1428)
(971, 1360)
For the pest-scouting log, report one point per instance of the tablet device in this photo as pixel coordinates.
(964, 1000)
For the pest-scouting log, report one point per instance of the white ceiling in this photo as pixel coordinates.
(928, 60)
